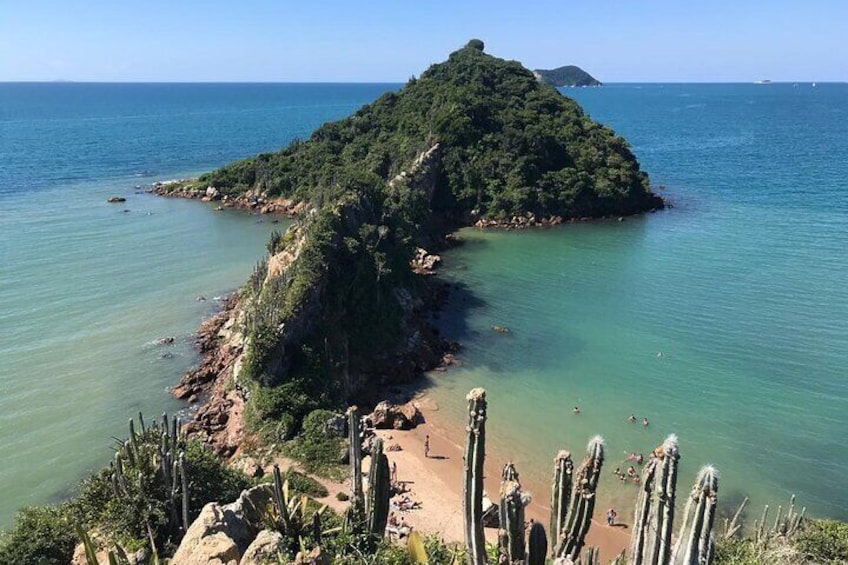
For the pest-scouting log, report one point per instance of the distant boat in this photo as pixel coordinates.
(764, 81)
(814, 84)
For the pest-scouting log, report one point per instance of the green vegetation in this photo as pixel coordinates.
(509, 145)
(569, 75)
(123, 508)
(817, 542)
(40, 535)
(474, 136)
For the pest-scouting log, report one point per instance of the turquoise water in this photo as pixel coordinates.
(741, 285)
(85, 288)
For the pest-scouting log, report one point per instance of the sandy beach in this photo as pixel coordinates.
(436, 482)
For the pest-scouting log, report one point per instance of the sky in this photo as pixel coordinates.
(391, 40)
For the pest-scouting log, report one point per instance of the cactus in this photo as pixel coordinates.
(379, 487)
(537, 545)
(357, 506)
(511, 534)
(582, 505)
(472, 491)
(696, 543)
(561, 492)
(155, 454)
(652, 526)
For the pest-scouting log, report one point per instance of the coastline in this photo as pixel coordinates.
(436, 482)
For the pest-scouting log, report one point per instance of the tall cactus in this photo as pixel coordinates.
(582, 506)
(696, 543)
(537, 545)
(156, 452)
(561, 492)
(379, 487)
(654, 520)
(511, 534)
(472, 491)
(354, 426)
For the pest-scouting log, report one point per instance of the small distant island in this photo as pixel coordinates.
(569, 75)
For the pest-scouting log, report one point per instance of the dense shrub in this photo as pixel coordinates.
(824, 541)
(303, 484)
(316, 446)
(42, 535)
(510, 144)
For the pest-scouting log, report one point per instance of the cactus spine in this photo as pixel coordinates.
(511, 534)
(582, 505)
(652, 525)
(472, 491)
(354, 426)
(379, 487)
(537, 545)
(561, 492)
(696, 545)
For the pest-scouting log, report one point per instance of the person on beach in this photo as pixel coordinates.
(611, 515)
(394, 471)
(427, 446)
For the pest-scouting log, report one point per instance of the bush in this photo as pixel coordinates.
(41, 534)
(824, 541)
(303, 484)
(318, 449)
(342, 496)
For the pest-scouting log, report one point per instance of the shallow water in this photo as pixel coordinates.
(740, 287)
(86, 288)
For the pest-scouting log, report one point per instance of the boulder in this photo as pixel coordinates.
(221, 534)
(264, 549)
(314, 557)
(388, 416)
(249, 467)
(116, 199)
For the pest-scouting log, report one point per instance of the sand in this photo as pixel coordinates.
(436, 482)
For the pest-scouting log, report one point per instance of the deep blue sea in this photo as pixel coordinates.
(741, 285)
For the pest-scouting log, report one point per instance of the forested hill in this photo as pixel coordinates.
(569, 75)
(337, 309)
(507, 145)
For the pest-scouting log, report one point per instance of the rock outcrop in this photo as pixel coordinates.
(388, 416)
(222, 535)
(264, 549)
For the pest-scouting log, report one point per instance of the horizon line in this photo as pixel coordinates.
(377, 82)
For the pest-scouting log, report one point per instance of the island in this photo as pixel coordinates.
(339, 309)
(569, 75)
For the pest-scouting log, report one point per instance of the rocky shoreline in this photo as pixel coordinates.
(219, 419)
(252, 201)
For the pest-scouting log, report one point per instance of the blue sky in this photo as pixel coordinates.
(376, 41)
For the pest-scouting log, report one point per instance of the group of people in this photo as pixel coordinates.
(399, 528)
(632, 419)
(576, 411)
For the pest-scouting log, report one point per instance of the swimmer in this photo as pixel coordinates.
(645, 422)
(632, 418)
(576, 410)
(660, 355)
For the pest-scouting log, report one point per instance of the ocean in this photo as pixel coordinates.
(740, 286)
